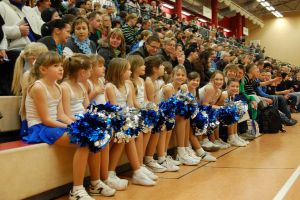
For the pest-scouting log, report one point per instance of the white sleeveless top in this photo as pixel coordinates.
(31, 112)
(140, 97)
(121, 98)
(76, 102)
(161, 94)
(100, 98)
(201, 93)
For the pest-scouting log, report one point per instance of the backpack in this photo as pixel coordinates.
(269, 120)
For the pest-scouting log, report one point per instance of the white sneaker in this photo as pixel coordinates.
(236, 142)
(175, 162)
(221, 143)
(80, 195)
(101, 189)
(207, 145)
(192, 154)
(186, 159)
(169, 165)
(139, 178)
(150, 174)
(115, 182)
(241, 139)
(208, 157)
(155, 167)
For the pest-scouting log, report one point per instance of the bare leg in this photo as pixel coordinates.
(180, 130)
(161, 146)
(139, 146)
(168, 138)
(150, 150)
(94, 165)
(146, 141)
(104, 163)
(187, 133)
(115, 155)
(132, 155)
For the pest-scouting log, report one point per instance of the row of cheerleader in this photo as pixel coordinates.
(67, 102)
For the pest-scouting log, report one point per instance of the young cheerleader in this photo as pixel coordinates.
(155, 70)
(210, 95)
(139, 100)
(75, 100)
(24, 63)
(46, 119)
(182, 125)
(232, 90)
(193, 84)
(118, 92)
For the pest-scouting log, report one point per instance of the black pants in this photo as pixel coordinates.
(7, 71)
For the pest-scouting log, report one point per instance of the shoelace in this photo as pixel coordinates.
(81, 193)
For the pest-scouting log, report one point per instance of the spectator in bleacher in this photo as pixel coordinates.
(48, 15)
(202, 65)
(3, 42)
(95, 24)
(105, 26)
(79, 41)
(146, 25)
(133, 6)
(168, 51)
(88, 6)
(191, 54)
(66, 5)
(129, 31)
(145, 9)
(80, 4)
(115, 46)
(60, 32)
(150, 47)
(225, 58)
(41, 5)
(21, 26)
(142, 38)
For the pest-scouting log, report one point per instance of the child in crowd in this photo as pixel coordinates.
(193, 84)
(24, 63)
(210, 94)
(118, 92)
(46, 119)
(75, 101)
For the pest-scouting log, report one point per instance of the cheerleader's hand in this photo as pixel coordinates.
(184, 88)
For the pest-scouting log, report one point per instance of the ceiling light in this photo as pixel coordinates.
(186, 13)
(271, 8)
(202, 20)
(226, 30)
(260, 1)
(168, 6)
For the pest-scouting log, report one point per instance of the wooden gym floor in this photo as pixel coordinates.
(259, 171)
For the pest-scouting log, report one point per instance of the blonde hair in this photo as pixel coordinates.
(116, 68)
(144, 33)
(75, 63)
(96, 59)
(32, 49)
(45, 59)
(177, 68)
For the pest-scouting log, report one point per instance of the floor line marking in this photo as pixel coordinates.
(288, 184)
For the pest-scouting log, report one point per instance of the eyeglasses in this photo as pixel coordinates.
(153, 47)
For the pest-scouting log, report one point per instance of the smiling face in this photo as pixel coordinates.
(179, 76)
(194, 83)
(218, 80)
(233, 88)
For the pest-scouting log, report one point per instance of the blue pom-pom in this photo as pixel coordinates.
(149, 116)
(213, 115)
(229, 114)
(200, 123)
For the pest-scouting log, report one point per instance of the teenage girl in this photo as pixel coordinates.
(118, 92)
(210, 94)
(46, 119)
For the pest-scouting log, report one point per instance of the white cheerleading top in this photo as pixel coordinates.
(161, 94)
(31, 112)
(76, 102)
(100, 98)
(121, 98)
(140, 97)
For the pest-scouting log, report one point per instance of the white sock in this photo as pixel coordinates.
(181, 150)
(148, 158)
(200, 151)
(77, 187)
(138, 171)
(161, 159)
(231, 137)
(95, 182)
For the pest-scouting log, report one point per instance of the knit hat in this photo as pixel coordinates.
(47, 14)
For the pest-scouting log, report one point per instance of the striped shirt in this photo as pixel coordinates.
(130, 35)
(250, 85)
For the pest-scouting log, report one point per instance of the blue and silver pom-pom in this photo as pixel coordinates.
(167, 111)
(242, 108)
(92, 129)
(185, 104)
(213, 115)
(131, 125)
(229, 114)
(149, 116)
(200, 123)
